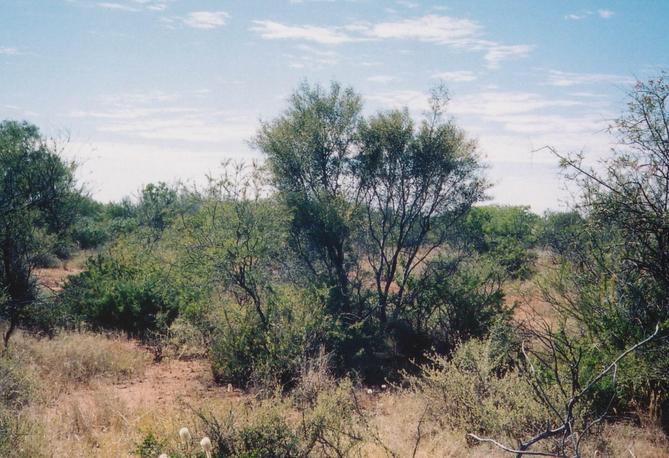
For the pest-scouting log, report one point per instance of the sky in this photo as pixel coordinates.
(139, 91)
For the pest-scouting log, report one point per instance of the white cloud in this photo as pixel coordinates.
(407, 4)
(135, 5)
(127, 113)
(7, 51)
(206, 19)
(383, 79)
(314, 58)
(272, 30)
(116, 6)
(494, 104)
(566, 79)
(497, 53)
(192, 128)
(430, 28)
(604, 14)
(455, 76)
(295, 2)
(157, 7)
(416, 101)
(458, 33)
(112, 170)
(161, 116)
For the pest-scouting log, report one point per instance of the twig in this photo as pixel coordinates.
(508, 449)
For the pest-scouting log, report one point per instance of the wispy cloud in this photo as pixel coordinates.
(295, 2)
(416, 101)
(162, 116)
(116, 6)
(565, 79)
(382, 79)
(134, 6)
(430, 28)
(8, 51)
(492, 104)
(455, 76)
(407, 4)
(206, 19)
(312, 57)
(496, 53)
(272, 30)
(455, 32)
(604, 14)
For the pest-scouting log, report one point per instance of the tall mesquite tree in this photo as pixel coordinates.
(408, 177)
(38, 204)
(309, 150)
(364, 193)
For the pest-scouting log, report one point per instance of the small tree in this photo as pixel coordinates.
(614, 282)
(309, 150)
(37, 209)
(408, 178)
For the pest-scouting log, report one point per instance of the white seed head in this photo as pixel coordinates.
(163, 455)
(205, 443)
(184, 435)
(370, 391)
(384, 386)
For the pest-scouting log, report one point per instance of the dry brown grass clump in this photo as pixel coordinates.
(71, 359)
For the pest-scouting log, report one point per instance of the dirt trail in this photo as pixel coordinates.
(169, 380)
(54, 278)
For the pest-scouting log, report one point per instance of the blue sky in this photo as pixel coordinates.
(150, 90)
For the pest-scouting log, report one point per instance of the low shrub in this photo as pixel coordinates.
(473, 393)
(329, 424)
(124, 288)
(248, 353)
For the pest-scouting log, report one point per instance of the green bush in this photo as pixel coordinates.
(328, 425)
(505, 233)
(475, 392)
(150, 447)
(126, 287)
(247, 353)
(457, 301)
(90, 233)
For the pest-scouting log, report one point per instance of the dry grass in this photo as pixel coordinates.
(73, 359)
(112, 397)
(396, 417)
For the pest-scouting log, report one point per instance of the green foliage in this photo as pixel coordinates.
(149, 447)
(125, 287)
(330, 425)
(561, 232)
(308, 152)
(614, 281)
(473, 392)
(364, 196)
(246, 352)
(37, 209)
(458, 300)
(506, 234)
